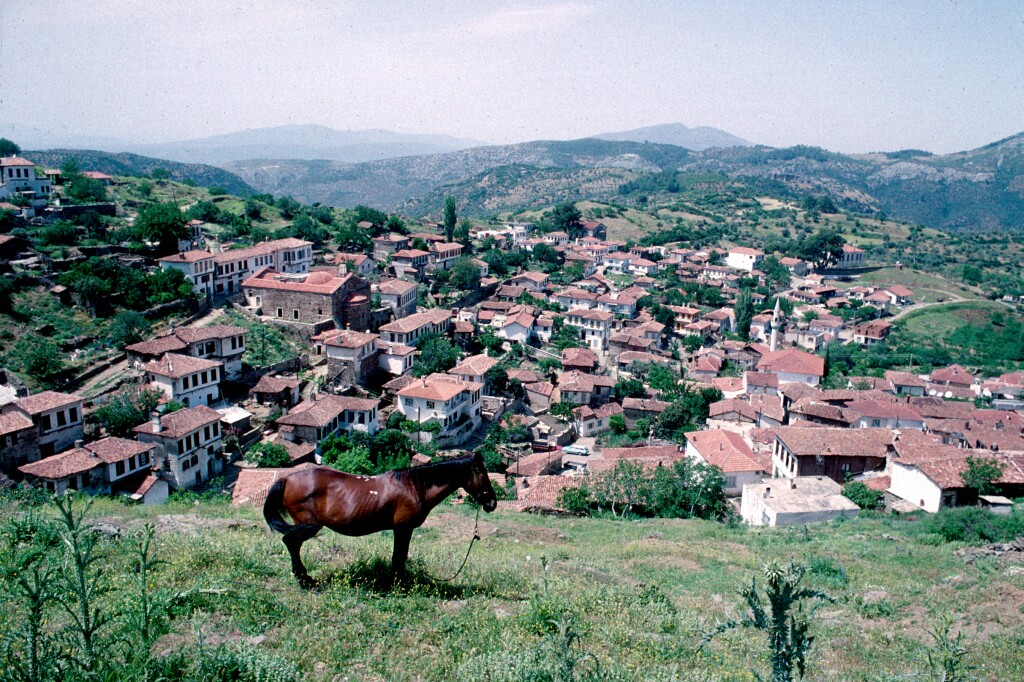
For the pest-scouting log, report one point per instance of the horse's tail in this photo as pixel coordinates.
(273, 508)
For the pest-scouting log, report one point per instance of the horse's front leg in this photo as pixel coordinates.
(401, 553)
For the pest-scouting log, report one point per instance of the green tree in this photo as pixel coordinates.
(686, 413)
(563, 408)
(629, 388)
(465, 274)
(776, 275)
(288, 206)
(462, 232)
(497, 379)
(617, 423)
(823, 249)
(744, 311)
(127, 327)
(450, 218)
(126, 409)
(162, 223)
(268, 455)
(565, 217)
(41, 360)
(8, 148)
(981, 474)
(437, 354)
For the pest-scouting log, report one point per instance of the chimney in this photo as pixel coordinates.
(79, 443)
(156, 421)
(767, 493)
(792, 484)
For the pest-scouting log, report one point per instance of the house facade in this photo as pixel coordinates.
(189, 444)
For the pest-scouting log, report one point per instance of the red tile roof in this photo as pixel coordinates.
(725, 450)
(434, 387)
(114, 449)
(46, 401)
(320, 412)
(175, 365)
(68, 463)
(179, 423)
(792, 360)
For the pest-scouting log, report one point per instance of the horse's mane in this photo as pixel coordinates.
(435, 473)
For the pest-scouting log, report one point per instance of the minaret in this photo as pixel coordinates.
(774, 346)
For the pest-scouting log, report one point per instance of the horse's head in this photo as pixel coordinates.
(478, 485)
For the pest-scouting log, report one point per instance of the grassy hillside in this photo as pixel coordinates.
(639, 593)
(135, 165)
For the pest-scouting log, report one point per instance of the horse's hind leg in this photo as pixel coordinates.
(293, 540)
(400, 554)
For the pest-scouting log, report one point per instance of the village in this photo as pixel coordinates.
(579, 369)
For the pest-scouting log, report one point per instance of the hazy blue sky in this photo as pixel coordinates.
(849, 76)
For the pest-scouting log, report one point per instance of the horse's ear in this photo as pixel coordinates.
(478, 458)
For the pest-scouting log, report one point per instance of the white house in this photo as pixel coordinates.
(395, 358)
(440, 398)
(408, 329)
(730, 453)
(313, 421)
(188, 442)
(197, 266)
(592, 421)
(18, 176)
(794, 501)
(743, 258)
(473, 370)
(57, 418)
(595, 326)
(189, 380)
(793, 365)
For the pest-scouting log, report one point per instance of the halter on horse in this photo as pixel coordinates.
(359, 505)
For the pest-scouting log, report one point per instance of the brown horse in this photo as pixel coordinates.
(359, 505)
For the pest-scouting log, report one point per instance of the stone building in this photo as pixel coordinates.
(313, 300)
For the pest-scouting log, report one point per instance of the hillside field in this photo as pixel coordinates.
(639, 593)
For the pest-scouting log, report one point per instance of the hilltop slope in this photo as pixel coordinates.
(978, 190)
(132, 164)
(698, 139)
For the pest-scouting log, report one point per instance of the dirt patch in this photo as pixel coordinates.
(667, 561)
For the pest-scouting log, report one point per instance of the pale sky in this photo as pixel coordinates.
(847, 76)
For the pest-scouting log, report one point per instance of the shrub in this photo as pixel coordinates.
(268, 455)
(863, 496)
(974, 525)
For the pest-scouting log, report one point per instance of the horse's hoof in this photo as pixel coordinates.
(305, 581)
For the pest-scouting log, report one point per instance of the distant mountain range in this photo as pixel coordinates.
(282, 142)
(978, 190)
(697, 139)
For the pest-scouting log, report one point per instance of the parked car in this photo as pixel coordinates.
(576, 450)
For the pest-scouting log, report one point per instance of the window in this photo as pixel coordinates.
(216, 430)
(408, 402)
(295, 314)
(280, 313)
(73, 415)
(213, 374)
(119, 468)
(730, 481)
(206, 433)
(62, 419)
(143, 459)
(430, 404)
(203, 378)
(181, 446)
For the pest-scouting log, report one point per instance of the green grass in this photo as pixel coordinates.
(641, 593)
(927, 288)
(977, 334)
(265, 344)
